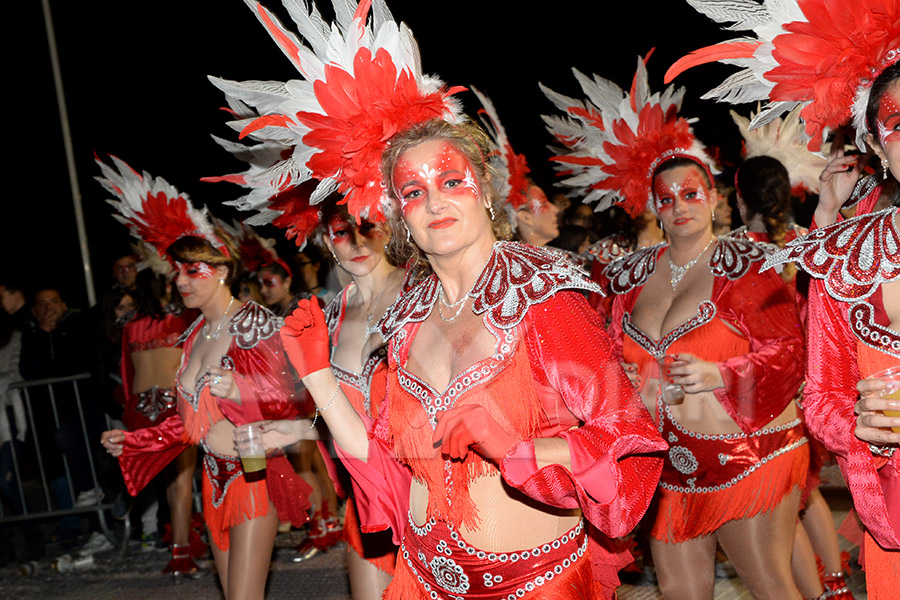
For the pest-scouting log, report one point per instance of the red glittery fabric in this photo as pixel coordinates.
(264, 378)
(147, 333)
(567, 384)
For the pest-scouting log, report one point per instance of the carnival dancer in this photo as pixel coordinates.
(504, 400)
(763, 190)
(233, 371)
(839, 64)
(150, 360)
(715, 351)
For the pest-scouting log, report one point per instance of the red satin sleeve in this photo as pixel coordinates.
(145, 452)
(760, 384)
(615, 460)
(829, 398)
(266, 383)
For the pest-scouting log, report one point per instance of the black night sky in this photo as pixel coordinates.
(135, 86)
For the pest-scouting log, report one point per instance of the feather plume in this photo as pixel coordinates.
(820, 54)
(361, 84)
(614, 140)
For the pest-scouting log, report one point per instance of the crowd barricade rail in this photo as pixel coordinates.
(41, 505)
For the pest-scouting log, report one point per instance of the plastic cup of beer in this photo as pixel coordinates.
(671, 393)
(891, 379)
(249, 442)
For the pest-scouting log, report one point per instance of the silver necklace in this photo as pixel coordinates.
(443, 300)
(215, 335)
(678, 273)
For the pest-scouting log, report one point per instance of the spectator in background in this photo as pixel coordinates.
(13, 428)
(12, 298)
(124, 272)
(62, 344)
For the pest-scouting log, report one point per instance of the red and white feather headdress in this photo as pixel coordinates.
(512, 168)
(615, 140)
(153, 210)
(782, 139)
(255, 251)
(822, 55)
(361, 84)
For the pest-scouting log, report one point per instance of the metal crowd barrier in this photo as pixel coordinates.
(32, 507)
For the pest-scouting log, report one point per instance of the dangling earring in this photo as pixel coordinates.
(334, 256)
(659, 222)
(407, 233)
(491, 210)
(885, 167)
(714, 215)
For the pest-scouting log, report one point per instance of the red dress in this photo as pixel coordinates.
(149, 407)
(749, 327)
(263, 375)
(365, 390)
(553, 375)
(849, 339)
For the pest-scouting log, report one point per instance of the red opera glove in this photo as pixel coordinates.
(472, 425)
(305, 338)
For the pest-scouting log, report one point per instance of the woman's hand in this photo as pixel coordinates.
(695, 375)
(284, 432)
(837, 180)
(472, 425)
(112, 440)
(872, 425)
(305, 338)
(222, 384)
(631, 370)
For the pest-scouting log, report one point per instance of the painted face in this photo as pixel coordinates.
(434, 168)
(683, 199)
(545, 215)
(273, 288)
(688, 187)
(889, 116)
(442, 201)
(357, 248)
(196, 282)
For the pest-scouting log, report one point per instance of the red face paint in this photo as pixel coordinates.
(197, 270)
(424, 171)
(270, 281)
(888, 119)
(538, 200)
(341, 231)
(690, 188)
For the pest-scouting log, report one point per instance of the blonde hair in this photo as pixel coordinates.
(476, 146)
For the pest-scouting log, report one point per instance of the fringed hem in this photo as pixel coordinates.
(681, 517)
(376, 548)
(242, 501)
(198, 422)
(576, 583)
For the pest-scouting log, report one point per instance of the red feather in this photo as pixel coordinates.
(710, 54)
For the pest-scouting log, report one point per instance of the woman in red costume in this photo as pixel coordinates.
(150, 360)
(504, 400)
(727, 335)
(358, 359)
(838, 64)
(854, 332)
(233, 371)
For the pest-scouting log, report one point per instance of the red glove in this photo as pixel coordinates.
(305, 338)
(472, 426)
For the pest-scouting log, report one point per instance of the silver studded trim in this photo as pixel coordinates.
(738, 478)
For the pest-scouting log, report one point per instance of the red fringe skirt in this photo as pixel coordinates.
(435, 562)
(708, 480)
(377, 547)
(230, 499)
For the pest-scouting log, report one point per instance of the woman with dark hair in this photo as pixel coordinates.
(149, 362)
(854, 303)
(712, 344)
(232, 371)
